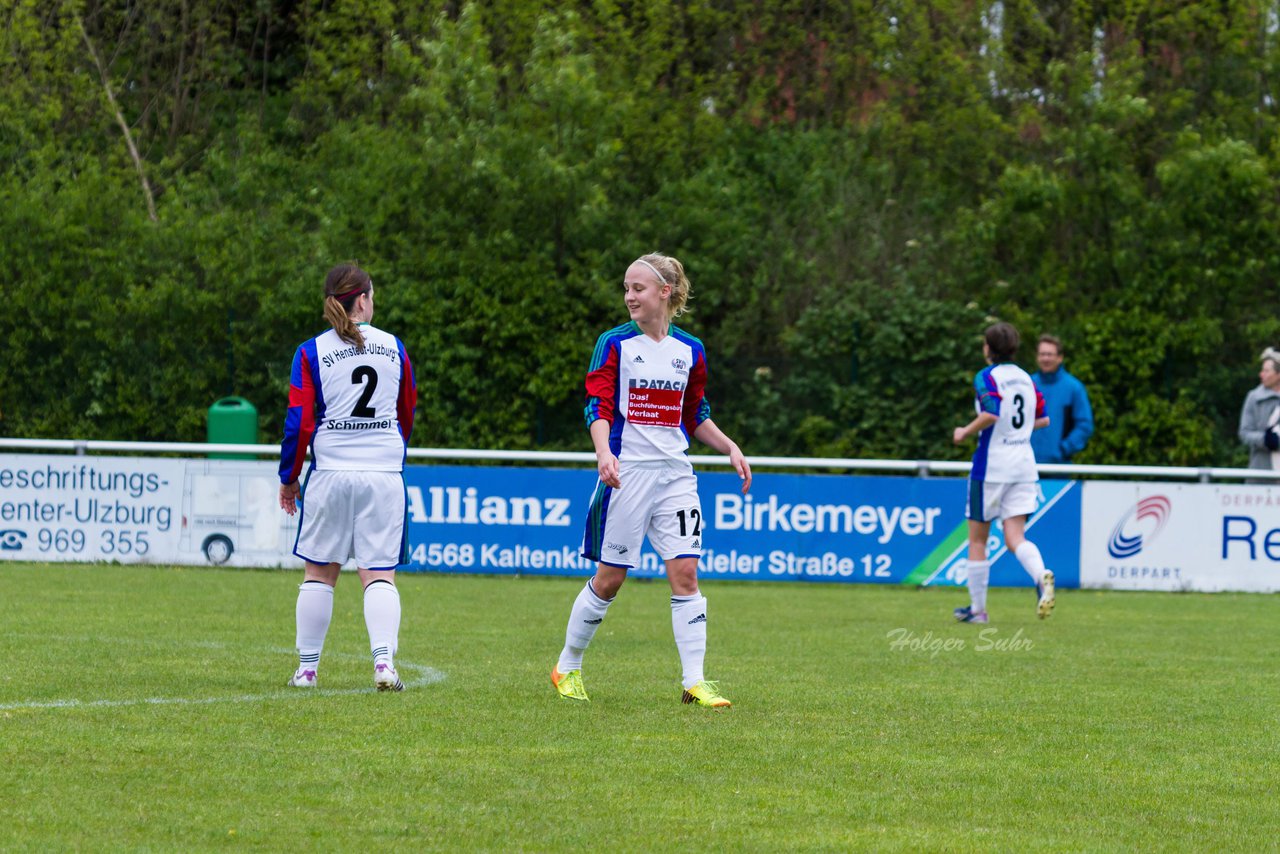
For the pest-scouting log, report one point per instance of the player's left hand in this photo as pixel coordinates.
(742, 467)
(289, 493)
(958, 436)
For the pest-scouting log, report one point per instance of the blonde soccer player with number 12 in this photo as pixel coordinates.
(645, 400)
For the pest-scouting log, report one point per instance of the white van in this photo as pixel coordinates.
(231, 514)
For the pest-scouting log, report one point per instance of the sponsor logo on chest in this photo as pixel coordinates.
(655, 389)
(666, 385)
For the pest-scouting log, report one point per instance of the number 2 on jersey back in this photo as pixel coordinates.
(369, 377)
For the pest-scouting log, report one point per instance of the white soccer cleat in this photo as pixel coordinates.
(385, 678)
(302, 678)
(1044, 607)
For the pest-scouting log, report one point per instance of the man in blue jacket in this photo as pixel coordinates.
(1065, 402)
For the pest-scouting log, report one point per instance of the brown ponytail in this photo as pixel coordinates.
(342, 287)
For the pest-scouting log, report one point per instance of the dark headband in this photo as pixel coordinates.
(353, 292)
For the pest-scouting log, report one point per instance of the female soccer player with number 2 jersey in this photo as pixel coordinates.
(351, 400)
(1003, 483)
(644, 401)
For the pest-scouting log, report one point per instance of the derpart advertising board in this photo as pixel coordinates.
(1169, 536)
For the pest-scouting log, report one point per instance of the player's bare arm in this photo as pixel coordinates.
(977, 425)
(709, 434)
(606, 462)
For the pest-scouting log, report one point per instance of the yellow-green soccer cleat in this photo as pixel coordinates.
(705, 694)
(569, 684)
(1044, 606)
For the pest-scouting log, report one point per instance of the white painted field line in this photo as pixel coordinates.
(421, 676)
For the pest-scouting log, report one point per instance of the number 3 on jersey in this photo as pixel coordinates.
(1019, 411)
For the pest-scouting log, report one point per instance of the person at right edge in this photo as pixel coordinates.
(1260, 418)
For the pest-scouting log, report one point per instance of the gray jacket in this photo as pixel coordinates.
(1258, 413)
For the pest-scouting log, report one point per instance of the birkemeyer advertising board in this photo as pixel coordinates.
(1168, 536)
(881, 530)
(477, 519)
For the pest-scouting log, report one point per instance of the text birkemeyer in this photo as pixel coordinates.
(737, 512)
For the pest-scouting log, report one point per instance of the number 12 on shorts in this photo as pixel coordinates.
(692, 515)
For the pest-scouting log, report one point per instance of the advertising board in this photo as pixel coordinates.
(519, 520)
(828, 528)
(1169, 536)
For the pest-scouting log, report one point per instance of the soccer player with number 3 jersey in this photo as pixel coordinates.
(1003, 483)
(645, 400)
(351, 401)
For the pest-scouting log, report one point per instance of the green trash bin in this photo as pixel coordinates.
(234, 421)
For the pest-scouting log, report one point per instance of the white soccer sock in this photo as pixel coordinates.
(587, 614)
(689, 624)
(382, 619)
(979, 573)
(1029, 556)
(313, 612)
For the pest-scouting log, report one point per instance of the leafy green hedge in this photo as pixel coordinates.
(855, 195)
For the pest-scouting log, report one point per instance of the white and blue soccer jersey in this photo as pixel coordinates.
(1004, 449)
(650, 391)
(354, 407)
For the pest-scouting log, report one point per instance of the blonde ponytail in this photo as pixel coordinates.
(671, 272)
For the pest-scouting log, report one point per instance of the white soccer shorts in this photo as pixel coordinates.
(353, 514)
(989, 501)
(657, 499)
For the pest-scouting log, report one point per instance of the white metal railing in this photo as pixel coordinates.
(922, 468)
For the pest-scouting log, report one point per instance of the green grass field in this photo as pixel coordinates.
(142, 708)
